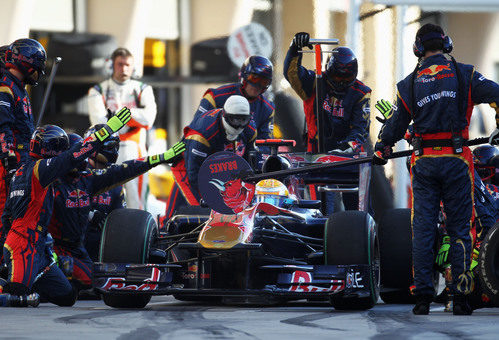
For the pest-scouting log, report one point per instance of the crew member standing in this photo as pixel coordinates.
(120, 90)
(439, 97)
(24, 64)
(345, 102)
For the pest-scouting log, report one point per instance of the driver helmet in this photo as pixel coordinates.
(486, 160)
(271, 191)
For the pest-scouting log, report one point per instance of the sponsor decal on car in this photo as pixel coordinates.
(305, 278)
(119, 282)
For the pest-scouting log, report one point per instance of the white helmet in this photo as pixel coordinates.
(236, 116)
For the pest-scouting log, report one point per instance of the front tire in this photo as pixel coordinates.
(126, 238)
(350, 239)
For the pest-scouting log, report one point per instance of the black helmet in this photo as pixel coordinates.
(48, 141)
(108, 153)
(341, 69)
(256, 70)
(486, 160)
(28, 56)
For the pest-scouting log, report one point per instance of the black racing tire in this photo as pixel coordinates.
(350, 238)
(488, 264)
(126, 238)
(395, 242)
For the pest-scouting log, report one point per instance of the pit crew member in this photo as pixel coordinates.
(103, 203)
(24, 64)
(255, 78)
(438, 97)
(346, 99)
(216, 130)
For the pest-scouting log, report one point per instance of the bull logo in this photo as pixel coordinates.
(433, 69)
(235, 193)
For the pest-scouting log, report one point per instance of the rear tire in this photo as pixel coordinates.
(488, 264)
(395, 242)
(350, 238)
(126, 238)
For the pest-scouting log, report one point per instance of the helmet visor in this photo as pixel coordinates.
(237, 121)
(275, 200)
(259, 81)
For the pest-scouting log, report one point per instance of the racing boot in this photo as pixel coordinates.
(461, 305)
(9, 300)
(422, 306)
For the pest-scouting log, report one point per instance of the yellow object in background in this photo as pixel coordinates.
(154, 53)
(160, 184)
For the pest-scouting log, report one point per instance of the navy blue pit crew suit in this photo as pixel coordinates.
(433, 100)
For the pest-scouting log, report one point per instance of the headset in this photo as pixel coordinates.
(418, 47)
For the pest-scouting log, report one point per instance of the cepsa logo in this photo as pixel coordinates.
(433, 69)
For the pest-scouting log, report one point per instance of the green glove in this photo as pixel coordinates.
(443, 253)
(115, 123)
(384, 107)
(474, 258)
(169, 156)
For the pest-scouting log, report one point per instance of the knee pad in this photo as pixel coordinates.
(15, 288)
(64, 300)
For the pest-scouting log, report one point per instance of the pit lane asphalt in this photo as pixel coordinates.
(166, 318)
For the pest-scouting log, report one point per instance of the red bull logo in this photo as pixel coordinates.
(236, 194)
(433, 70)
(119, 282)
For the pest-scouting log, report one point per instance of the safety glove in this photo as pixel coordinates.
(301, 40)
(114, 124)
(171, 155)
(384, 107)
(494, 137)
(443, 253)
(381, 153)
(474, 258)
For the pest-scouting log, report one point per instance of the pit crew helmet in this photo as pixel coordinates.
(271, 191)
(341, 69)
(108, 153)
(257, 71)
(29, 57)
(48, 141)
(486, 160)
(236, 116)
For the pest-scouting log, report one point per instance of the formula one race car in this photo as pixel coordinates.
(261, 243)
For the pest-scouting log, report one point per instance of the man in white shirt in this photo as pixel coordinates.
(118, 91)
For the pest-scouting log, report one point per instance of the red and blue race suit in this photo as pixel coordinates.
(72, 205)
(262, 110)
(347, 115)
(203, 137)
(439, 100)
(16, 127)
(26, 217)
(102, 204)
